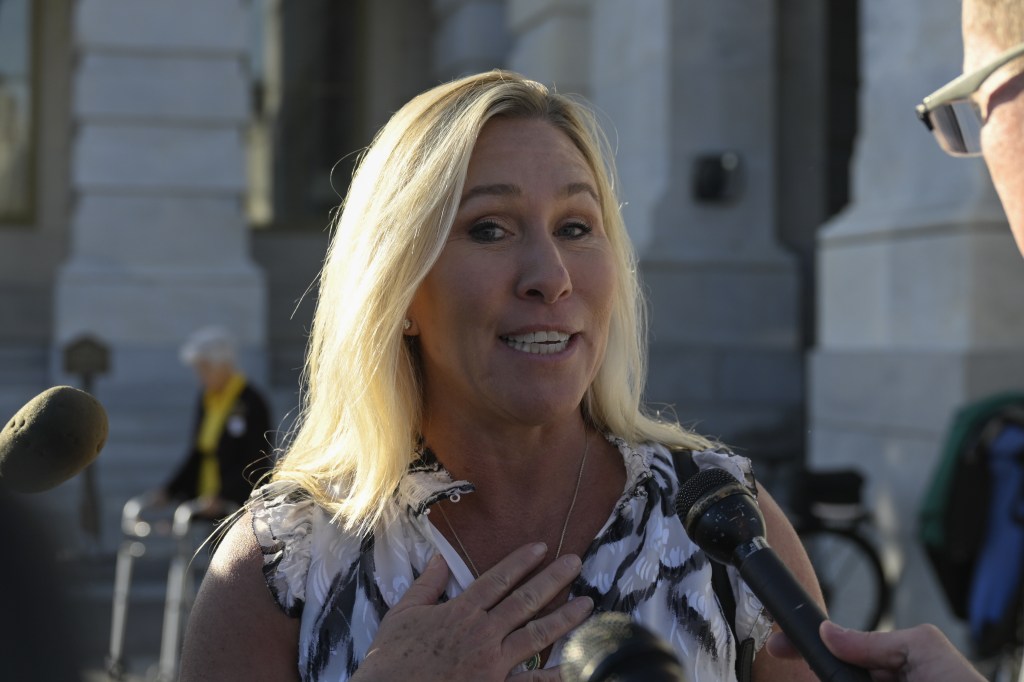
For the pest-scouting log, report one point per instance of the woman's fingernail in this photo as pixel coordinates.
(582, 604)
(572, 561)
(539, 549)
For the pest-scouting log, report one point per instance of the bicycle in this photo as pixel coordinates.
(834, 526)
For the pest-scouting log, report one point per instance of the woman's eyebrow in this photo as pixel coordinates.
(509, 190)
(498, 189)
(574, 188)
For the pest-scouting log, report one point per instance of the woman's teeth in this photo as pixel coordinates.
(541, 343)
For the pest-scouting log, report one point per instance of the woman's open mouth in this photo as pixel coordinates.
(539, 343)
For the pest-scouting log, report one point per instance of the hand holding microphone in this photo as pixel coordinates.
(723, 518)
(50, 439)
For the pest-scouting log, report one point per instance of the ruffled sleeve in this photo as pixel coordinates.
(282, 520)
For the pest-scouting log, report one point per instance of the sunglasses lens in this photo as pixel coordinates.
(957, 127)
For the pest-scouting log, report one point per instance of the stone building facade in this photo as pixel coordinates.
(824, 284)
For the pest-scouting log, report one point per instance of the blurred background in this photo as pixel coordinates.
(826, 287)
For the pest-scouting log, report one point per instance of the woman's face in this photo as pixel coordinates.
(513, 318)
(213, 376)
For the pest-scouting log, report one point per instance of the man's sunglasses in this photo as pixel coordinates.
(952, 114)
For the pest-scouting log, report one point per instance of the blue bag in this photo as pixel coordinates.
(955, 509)
(994, 601)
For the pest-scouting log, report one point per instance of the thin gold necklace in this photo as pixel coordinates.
(533, 662)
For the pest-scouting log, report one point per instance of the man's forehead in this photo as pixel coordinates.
(979, 45)
(996, 25)
(982, 47)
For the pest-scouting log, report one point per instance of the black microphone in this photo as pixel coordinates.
(50, 439)
(723, 518)
(610, 647)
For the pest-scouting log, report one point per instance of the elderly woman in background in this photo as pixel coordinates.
(228, 448)
(473, 474)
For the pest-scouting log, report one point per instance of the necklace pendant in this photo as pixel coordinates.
(533, 662)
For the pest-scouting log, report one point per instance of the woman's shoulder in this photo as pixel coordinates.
(293, 532)
(661, 461)
(750, 616)
(233, 629)
(717, 457)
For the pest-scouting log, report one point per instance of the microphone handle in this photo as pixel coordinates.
(796, 613)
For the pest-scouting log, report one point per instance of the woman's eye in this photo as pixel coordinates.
(575, 230)
(487, 231)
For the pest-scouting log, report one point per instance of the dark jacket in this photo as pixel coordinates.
(243, 452)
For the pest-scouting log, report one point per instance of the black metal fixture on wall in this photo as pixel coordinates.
(717, 177)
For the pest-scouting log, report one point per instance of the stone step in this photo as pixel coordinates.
(90, 596)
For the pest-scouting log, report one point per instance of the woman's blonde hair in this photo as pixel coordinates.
(362, 402)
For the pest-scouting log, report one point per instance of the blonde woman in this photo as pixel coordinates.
(474, 473)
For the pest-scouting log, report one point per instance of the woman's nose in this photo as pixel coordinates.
(543, 272)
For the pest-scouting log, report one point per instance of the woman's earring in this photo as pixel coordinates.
(406, 324)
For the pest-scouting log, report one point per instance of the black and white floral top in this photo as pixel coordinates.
(641, 563)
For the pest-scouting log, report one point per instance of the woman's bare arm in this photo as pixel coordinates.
(236, 630)
(784, 540)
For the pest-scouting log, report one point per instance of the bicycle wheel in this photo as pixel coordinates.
(851, 577)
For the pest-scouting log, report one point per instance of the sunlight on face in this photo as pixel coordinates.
(513, 318)
(1001, 99)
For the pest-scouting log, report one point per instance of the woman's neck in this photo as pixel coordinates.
(510, 456)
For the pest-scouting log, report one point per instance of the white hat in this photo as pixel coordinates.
(213, 344)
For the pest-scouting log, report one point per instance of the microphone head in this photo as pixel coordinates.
(719, 513)
(610, 646)
(50, 439)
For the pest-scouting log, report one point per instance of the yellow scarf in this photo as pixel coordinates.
(216, 409)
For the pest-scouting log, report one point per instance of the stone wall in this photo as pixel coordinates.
(919, 292)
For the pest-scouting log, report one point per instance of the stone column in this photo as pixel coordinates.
(159, 241)
(470, 36)
(630, 70)
(551, 42)
(921, 291)
(725, 341)
(396, 76)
